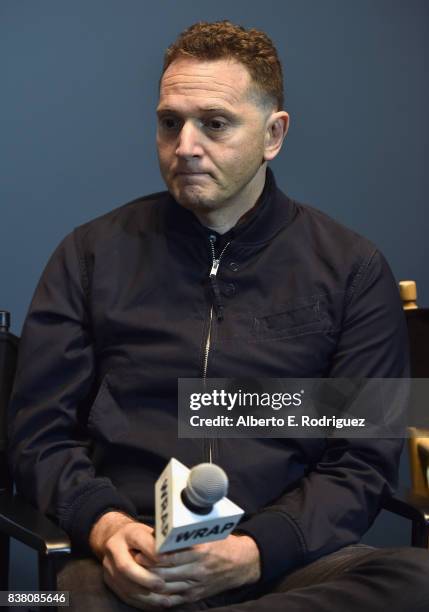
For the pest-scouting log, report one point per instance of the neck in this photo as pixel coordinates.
(228, 215)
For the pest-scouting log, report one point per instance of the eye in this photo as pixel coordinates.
(169, 123)
(217, 125)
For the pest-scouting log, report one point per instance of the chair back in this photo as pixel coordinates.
(418, 334)
(8, 356)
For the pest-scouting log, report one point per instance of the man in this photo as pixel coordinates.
(221, 276)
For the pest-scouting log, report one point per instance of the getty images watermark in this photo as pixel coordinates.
(300, 408)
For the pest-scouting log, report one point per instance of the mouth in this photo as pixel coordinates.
(192, 178)
(191, 173)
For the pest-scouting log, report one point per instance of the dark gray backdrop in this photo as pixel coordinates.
(78, 90)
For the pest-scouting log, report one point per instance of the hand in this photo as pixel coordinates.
(207, 569)
(116, 539)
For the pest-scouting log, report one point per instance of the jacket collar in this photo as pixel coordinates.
(272, 212)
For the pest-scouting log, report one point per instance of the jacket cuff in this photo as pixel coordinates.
(281, 547)
(87, 508)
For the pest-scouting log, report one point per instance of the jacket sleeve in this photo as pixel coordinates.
(49, 449)
(337, 501)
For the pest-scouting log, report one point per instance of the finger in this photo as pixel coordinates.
(152, 601)
(142, 559)
(132, 595)
(177, 600)
(182, 573)
(183, 587)
(185, 598)
(121, 584)
(120, 561)
(182, 557)
(142, 540)
(141, 576)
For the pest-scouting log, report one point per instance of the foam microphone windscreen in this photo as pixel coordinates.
(207, 483)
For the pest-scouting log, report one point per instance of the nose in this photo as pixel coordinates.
(189, 141)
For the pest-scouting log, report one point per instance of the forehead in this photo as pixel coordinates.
(224, 81)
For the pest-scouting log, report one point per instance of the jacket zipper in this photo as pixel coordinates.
(212, 277)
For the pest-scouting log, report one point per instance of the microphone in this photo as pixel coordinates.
(207, 484)
(191, 507)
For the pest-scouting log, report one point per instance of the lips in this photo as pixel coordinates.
(189, 173)
(192, 178)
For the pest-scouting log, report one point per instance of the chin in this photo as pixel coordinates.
(195, 200)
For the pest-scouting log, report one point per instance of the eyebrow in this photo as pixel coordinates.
(202, 109)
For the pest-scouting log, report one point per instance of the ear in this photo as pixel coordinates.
(276, 129)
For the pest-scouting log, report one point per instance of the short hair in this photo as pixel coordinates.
(225, 40)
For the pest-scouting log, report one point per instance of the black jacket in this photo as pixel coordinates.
(123, 309)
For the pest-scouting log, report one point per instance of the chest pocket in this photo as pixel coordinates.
(297, 317)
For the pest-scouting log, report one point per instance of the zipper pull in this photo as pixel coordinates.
(213, 280)
(215, 267)
(216, 262)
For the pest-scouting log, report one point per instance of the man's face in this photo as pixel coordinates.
(211, 132)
